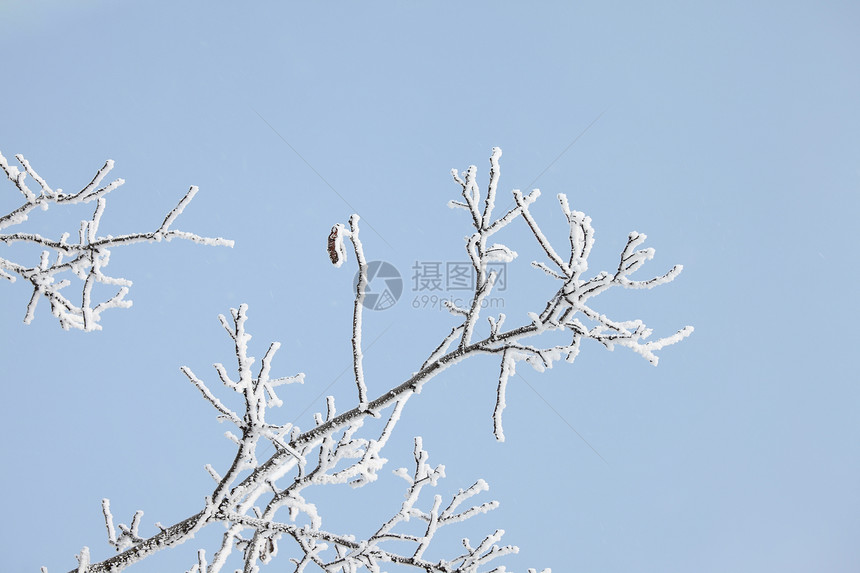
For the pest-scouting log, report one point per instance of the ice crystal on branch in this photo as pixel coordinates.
(86, 258)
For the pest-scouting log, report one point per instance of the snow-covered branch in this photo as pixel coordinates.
(86, 258)
(560, 312)
(266, 507)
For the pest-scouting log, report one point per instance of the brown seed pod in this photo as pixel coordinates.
(332, 246)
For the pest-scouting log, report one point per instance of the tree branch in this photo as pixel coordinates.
(331, 451)
(88, 257)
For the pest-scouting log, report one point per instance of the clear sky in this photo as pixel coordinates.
(729, 132)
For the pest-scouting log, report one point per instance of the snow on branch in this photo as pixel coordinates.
(86, 258)
(266, 506)
(571, 299)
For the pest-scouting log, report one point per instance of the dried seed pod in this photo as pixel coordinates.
(332, 245)
(336, 249)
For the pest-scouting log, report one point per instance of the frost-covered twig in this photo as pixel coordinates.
(337, 253)
(358, 305)
(86, 258)
(571, 297)
(128, 534)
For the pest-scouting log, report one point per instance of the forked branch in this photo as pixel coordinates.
(265, 506)
(86, 258)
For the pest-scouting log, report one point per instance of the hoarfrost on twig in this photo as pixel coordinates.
(85, 259)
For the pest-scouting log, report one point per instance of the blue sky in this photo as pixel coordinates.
(728, 132)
